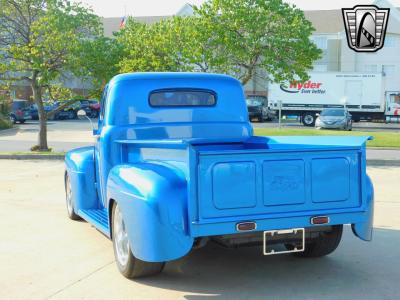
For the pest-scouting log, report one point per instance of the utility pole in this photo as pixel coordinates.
(280, 112)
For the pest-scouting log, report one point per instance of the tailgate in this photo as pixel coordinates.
(250, 183)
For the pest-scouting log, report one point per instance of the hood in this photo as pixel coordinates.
(332, 118)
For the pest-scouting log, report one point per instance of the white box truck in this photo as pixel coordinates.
(361, 93)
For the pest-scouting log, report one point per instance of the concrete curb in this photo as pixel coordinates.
(383, 163)
(384, 148)
(32, 156)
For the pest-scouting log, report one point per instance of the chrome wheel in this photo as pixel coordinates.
(121, 238)
(308, 119)
(68, 190)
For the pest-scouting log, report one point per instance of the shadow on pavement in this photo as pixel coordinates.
(9, 132)
(357, 269)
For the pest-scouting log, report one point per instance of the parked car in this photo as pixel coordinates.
(67, 113)
(19, 111)
(33, 111)
(70, 112)
(334, 118)
(257, 107)
(50, 106)
(95, 108)
(179, 167)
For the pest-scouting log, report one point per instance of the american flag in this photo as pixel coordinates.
(122, 23)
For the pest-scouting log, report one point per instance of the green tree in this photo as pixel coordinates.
(260, 34)
(174, 44)
(149, 47)
(237, 37)
(39, 41)
(98, 61)
(58, 92)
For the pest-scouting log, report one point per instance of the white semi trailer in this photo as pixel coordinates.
(362, 94)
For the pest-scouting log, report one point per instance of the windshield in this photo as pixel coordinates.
(254, 102)
(333, 113)
(395, 98)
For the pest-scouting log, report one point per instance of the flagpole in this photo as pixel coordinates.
(124, 19)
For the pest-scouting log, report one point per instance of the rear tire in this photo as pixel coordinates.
(326, 243)
(129, 266)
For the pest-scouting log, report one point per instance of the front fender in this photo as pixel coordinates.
(153, 202)
(79, 165)
(364, 229)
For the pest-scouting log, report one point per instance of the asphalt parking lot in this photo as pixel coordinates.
(44, 255)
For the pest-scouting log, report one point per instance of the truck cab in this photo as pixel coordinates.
(175, 165)
(258, 108)
(393, 104)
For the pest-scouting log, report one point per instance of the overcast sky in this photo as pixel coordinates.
(117, 8)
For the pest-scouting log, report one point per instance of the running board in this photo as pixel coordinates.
(98, 218)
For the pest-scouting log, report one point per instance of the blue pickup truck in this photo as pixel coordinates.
(176, 165)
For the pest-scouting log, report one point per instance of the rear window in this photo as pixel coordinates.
(19, 104)
(182, 97)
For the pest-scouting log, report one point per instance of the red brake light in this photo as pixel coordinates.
(246, 226)
(319, 220)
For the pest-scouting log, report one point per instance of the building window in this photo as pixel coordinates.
(371, 68)
(388, 70)
(320, 68)
(390, 41)
(321, 42)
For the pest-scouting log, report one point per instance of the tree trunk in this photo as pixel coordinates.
(247, 76)
(37, 96)
(245, 79)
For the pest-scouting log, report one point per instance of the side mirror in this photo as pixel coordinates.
(81, 114)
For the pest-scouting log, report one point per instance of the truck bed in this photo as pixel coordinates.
(240, 182)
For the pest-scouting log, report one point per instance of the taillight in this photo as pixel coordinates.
(246, 226)
(319, 220)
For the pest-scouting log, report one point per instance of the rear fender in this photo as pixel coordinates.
(153, 202)
(80, 169)
(363, 230)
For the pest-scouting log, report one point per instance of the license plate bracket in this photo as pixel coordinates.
(294, 235)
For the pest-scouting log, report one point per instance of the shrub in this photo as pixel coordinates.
(5, 123)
